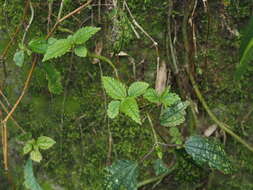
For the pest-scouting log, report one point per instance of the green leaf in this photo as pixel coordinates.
(35, 155)
(130, 107)
(44, 142)
(38, 45)
(84, 34)
(54, 78)
(160, 167)
(176, 135)
(19, 58)
(168, 99)
(28, 146)
(137, 88)
(152, 96)
(208, 151)
(30, 181)
(174, 115)
(114, 88)
(113, 109)
(57, 49)
(122, 174)
(81, 51)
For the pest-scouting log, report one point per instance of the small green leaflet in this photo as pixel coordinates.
(54, 78)
(208, 151)
(113, 109)
(35, 155)
(19, 58)
(114, 88)
(81, 51)
(38, 45)
(137, 89)
(168, 99)
(176, 135)
(152, 96)
(122, 174)
(45, 143)
(28, 146)
(174, 115)
(130, 107)
(84, 34)
(160, 167)
(30, 180)
(57, 49)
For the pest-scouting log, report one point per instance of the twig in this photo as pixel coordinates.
(157, 178)
(102, 58)
(60, 10)
(67, 16)
(15, 122)
(50, 5)
(223, 126)
(23, 91)
(30, 22)
(143, 31)
(171, 49)
(15, 33)
(5, 98)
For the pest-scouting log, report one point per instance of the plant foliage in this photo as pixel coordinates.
(122, 174)
(208, 151)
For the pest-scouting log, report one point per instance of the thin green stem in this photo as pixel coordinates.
(105, 59)
(223, 126)
(156, 178)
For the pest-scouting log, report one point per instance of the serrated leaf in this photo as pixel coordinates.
(81, 51)
(28, 146)
(57, 49)
(84, 34)
(54, 78)
(208, 151)
(35, 155)
(160, 167)
(44, 142)
(130, 107)
(114, 88)
(137, 88)
(168, 99)
(122, 174)
(174, 115)
(19, 58)
(152, 96)
(113, 109)
(38, 45)
(51, 40)
(30, 181)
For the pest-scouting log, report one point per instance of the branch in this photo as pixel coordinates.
(67, 16)
(223, 126)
